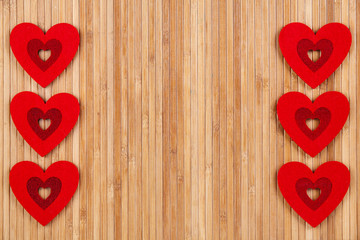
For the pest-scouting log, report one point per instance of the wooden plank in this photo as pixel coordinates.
(159, 119)
(244, 124)
(123, 218)
(222, 119)
(237, 119)
(166, 117)
(187, 119)
(145, 223)
(13, 156)
(201, 69)
(97, 85)
(138, 121)
(102, 143)
(180, 224)
(352, 234)
(76, 131)
(273, 124)
(215, 117)
(131, 120)
(280, 133)
(265, 191)
(119, 110)
(152, 124)
(173, 119)
(357, 42)
(4, 119)
(230, 119)
(7, 194)
(194, 131)
(258, 120)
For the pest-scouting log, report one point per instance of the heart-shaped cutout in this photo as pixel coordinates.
(44, 123)
(44, 193)
(333, 40)
(27, 39)
(26, 178)
(311, 123)
(44, 55)
(27, 109)
(332, 178)
(331, 108)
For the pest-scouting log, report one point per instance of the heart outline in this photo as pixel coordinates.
(303, 184)
(34, 184)
(35, 45)
(35, 114)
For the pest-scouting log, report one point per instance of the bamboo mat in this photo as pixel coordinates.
(178, 136)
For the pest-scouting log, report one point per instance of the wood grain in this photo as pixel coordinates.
(178, 136)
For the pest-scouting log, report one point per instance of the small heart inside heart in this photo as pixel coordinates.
(303, 115)
(312, 124)
(325, 47)
(44, 123)
(313, 194)
(314, 55)
(35, 115)
(44, 54)
(34, 184)
(44, 193)
(34, 48)
(323, 184)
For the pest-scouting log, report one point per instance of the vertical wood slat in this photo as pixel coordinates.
(178, 136)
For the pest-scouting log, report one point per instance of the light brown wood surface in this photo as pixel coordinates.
(178, 136)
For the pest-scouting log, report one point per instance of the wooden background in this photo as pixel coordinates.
(178, 136)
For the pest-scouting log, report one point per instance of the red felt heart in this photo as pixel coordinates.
(333, 178)
(27, 39)
(331, 108)
(333, 40)
(26, 178)
(27, 109)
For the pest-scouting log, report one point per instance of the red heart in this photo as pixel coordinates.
(296, 39)
(27, 109)
(333, 178)
(303, 184)
(27, 39)
(34, 184)
(26, 178)
(331, 108)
